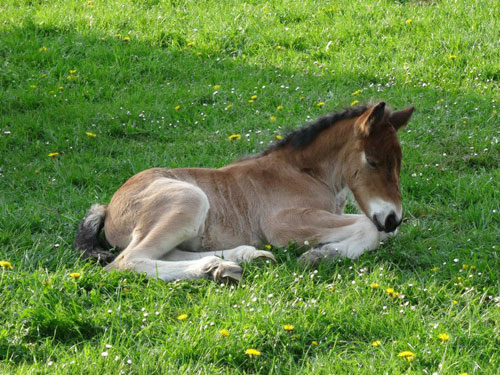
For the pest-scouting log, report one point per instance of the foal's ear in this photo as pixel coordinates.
(370, 117)
(400, 118)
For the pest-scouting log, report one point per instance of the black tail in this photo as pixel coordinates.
(87, 236)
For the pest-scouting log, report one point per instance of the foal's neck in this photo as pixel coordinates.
(326, 156)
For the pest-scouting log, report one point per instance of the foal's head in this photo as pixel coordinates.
(373, 165)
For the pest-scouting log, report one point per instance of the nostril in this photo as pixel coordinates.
(390, 222)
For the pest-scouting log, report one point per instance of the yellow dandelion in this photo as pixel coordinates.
(354, 102)
(444, 337)
(53, 154)
(279, 108)
(473, 267)
(250, 101)
(389, 290)
(102, 38)
(177, 107)
(32, 86)
(314, 343)
(43, 49)
(357, 92)
(253, 97)
(118, 35)
(228, 106)
(459, 278)
(252, 352)
(452, 57)
(75, 275)
(60, 88)
(464, 266)
(71, 78)
(279, 47)
(374, 285)
(224, 332)
(190, 44)
(288, 327)
(464, 373)
(409, 356)
(216, 87)
(455, 302)
(126, 39)
(409, 20)
(376, 343)
(182, 317)
(279, 137)
(272, 118)
(435, 269)
(234, 137)
(126, 290)
(395, 294)
(91, 135)
(320, 104)
(302, 98)
(5, 264)
(72, 71)
(268, 247)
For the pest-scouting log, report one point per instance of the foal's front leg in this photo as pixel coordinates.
(335, 235)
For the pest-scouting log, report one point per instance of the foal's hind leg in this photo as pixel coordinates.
(176, 214)
(239, 254)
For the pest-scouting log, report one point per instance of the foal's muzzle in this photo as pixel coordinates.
(390, 224)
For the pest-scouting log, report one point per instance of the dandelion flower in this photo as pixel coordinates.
(216, 87)
(234, 137)
(252, 352)
(357, 92)
(190, 44)
(376, 343)
(374, 285)
(126, 39)
(409, 356)
(268, 247)
(389, 290)
(302, 98)
(73, 71)
(288, 327)
(354, 102)
(279, 137)
(250, 101)
(464, 266)
(118, 35)
(60, 88)
(278, 47)
(455, 302)
(435, 269)
(228, 106)
(5, 264)
(43, 49)
(472, 267)
(444, 337)
(314, 343)
(75, 275)
(279, 108)
(320, 104)
(71, 78)
(452, 57)
(182, 317)
(272, 118)
(32, 86)
(409, 20)
(177, 107)
(224, 332)
(52, 154)
(91, 135)
(253, 97)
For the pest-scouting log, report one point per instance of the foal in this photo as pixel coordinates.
(201, 223)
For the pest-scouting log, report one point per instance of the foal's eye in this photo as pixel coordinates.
(371, 163)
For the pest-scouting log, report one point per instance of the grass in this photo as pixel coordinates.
(441, 56)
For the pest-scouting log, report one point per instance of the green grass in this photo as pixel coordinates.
(445, 61)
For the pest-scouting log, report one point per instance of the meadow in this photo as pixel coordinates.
(92, 92)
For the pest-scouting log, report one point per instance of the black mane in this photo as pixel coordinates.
(305, 135)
